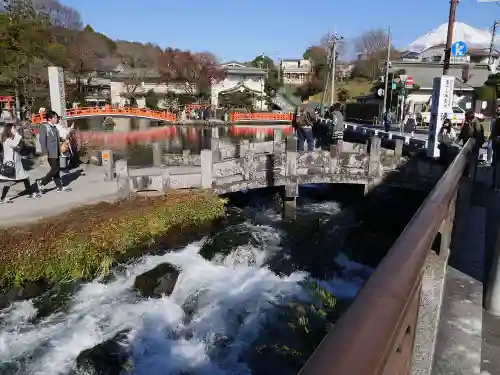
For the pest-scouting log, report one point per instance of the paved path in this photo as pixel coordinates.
(87, 188)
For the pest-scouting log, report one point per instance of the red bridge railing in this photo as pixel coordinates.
(262, 116)
(376, 334)
(109, 111)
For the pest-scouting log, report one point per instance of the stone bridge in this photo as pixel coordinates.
(265, 164)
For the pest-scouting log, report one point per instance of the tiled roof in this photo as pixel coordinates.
(423, 73)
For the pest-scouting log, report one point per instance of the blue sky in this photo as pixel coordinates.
(242, 29)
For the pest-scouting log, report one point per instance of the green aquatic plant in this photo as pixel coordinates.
(303, 325)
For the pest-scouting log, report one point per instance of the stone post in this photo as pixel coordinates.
(292, 186)
(244, 146)
(278, 146)
(334, 154)
(398, 149)
(57, 92)
(108, 164)
(206, 169)
(373, 162)
(122, 179)
(157, 154)
(249, 162)
(215, 144)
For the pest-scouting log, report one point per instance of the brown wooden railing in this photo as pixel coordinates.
(376, 334)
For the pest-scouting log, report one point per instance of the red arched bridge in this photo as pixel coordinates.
(76, 113)
(108, 111)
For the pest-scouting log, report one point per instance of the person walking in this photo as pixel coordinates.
(494, 120)
(446, 137)
(493, 155)
(387, 121)
(338, 124)
(50, 143)
(66, 148)
(304, 119)
(472, 129)
(12, 143)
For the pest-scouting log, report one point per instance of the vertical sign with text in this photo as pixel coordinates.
(441, 108)
(57, 92)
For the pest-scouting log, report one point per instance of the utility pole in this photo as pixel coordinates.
(336, 39)
(449, 37)
(387, 64)
(334, 62)
(492, 42)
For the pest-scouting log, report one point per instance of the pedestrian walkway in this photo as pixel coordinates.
(469, 337)
(88, 186)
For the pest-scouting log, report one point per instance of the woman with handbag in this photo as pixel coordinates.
(66, 150)
(11, 169)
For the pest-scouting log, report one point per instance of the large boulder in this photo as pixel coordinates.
(158, 281)
(106, 358)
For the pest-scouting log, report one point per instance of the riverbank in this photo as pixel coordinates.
(87, 241)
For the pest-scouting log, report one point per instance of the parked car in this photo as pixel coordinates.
(457, 119)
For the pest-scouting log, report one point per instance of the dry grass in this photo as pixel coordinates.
(356, 87)
(86, 241)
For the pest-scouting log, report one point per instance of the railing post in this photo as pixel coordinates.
(157, 154)
(215, 144)
(206, 169)
(375, 144)
(277, 141)
(249, 163)
(122, 178)
(291, 187)
(398, 149)
(108, 164)
(335, 150)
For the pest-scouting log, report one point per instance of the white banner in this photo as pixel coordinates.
(441, 108)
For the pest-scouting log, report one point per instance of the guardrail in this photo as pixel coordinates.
(262, 116)
(109, 111)
(376, 334)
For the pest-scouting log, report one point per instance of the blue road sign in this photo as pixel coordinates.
(458, 49)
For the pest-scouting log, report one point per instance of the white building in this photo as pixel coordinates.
(296, 72)
(243, 78)
(133, 85)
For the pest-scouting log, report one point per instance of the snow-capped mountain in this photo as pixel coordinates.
(474, 38)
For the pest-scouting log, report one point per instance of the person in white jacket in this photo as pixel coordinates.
(12, 144)
(446, 137)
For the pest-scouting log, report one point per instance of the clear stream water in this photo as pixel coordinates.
(259, 265)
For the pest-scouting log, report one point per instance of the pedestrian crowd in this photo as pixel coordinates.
(313, 132)
(57, 148)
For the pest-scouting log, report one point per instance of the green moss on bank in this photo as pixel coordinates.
(86, 241)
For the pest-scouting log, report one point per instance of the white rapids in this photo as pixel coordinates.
(233, 296)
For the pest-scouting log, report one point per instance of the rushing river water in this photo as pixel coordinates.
(254, 297)
(231, 289)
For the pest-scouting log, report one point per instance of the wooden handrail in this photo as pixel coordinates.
(365, 340)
